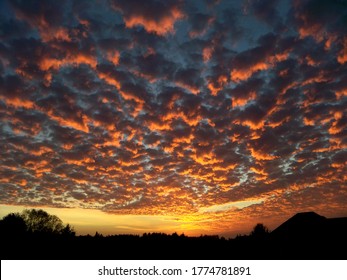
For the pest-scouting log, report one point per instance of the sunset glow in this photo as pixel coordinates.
(195, 117)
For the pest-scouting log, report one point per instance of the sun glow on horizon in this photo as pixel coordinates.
(90, 221)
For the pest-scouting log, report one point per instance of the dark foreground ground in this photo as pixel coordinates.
(304, 236)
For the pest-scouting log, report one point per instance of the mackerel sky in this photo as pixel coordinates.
(214, 112)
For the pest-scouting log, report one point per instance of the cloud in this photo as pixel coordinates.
(226, 206)
(199, 24)
(172, 107)
(265, 11)
(157, 17)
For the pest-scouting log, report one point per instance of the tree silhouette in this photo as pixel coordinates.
(39, 221)
(259, 231)
(13, 225)
(68, 231)
(98, 235)
(34, 221)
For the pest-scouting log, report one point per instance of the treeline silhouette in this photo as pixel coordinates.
(35, 234)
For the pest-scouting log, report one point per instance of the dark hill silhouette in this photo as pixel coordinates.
(310, 225)
(309, 235)
(337, 226)
(303, 236)
(300, 225)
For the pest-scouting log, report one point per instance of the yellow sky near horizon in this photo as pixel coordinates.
(89, 221)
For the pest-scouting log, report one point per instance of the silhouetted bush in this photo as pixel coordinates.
(36, 222)
(260, 232)
(13, 225)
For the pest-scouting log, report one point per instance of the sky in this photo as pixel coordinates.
(196, 117)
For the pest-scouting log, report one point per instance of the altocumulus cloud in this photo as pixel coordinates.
(228, 108)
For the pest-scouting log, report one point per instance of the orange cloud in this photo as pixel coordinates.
(274, 124)
(206, 158)
(159, 126)
(47, 32)
(58, 34)
(207, 53)
(314, 30)
(18, 103)
(131, 96)
(191, 120)
(334, 129)
(110, 80)
(38, 166)
(171, 191)
(310, 61)
(192, 89)
(238, 75)
(113, 56)
(261, 156)
(161, 27)
(330, 40)
(217, 86)
(309, 122)
(341, 93)
(319, 78)
(78, 125)
(342, 57)
(307, 28)
(251, 124)
(81, 162)
(48, 63)
(41, 151)
(125, 95)
(241, 74)
(198, 176)
(150, 78)
(261, 174)
(27, 104)
(243, 100)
